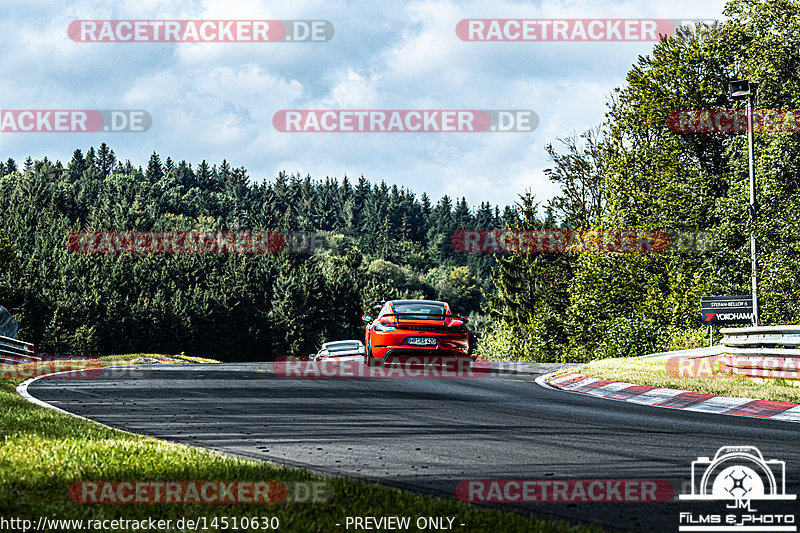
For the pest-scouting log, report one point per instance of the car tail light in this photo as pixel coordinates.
(384, 325)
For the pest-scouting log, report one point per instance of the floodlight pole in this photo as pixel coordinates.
(737, 90)
(753, 261)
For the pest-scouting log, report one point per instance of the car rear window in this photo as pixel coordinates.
(343, 346)
(420, 310)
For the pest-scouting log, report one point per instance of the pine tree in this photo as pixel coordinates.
(462, 216)
(90, 162)
(203, 175)
(154, 169)
(105, 160)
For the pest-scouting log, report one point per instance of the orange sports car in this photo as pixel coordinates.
(415, 330)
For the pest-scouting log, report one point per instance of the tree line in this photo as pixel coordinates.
(629, 172)
(633, 172)
(382, 242)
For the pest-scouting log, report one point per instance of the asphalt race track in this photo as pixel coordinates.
(428, 434)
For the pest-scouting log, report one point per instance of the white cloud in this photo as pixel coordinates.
(214, 101)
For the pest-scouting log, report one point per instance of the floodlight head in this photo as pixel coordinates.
(740, 89)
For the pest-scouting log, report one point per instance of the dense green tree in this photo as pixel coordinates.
(271, 305)
(636, 173)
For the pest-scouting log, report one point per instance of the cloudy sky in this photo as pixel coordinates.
(216, 101)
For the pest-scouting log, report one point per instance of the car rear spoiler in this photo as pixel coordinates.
(438, 317)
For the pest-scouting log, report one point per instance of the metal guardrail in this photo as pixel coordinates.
(691, 353)
(762, 352)
(757, 350)
(16, 351)
(762, 337)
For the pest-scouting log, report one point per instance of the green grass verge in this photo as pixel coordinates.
(130, 358)
(42, 452)
(653, 372)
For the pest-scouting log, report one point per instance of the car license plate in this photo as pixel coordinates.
(422, 341)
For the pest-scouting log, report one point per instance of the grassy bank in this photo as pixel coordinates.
(134, 358)
(42, 452)
(653, 372)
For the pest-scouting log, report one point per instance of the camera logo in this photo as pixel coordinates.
(738, 473)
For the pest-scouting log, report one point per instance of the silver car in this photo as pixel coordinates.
(339, 349)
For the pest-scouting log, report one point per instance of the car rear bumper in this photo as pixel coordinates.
(398, 344)
(417, 354)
